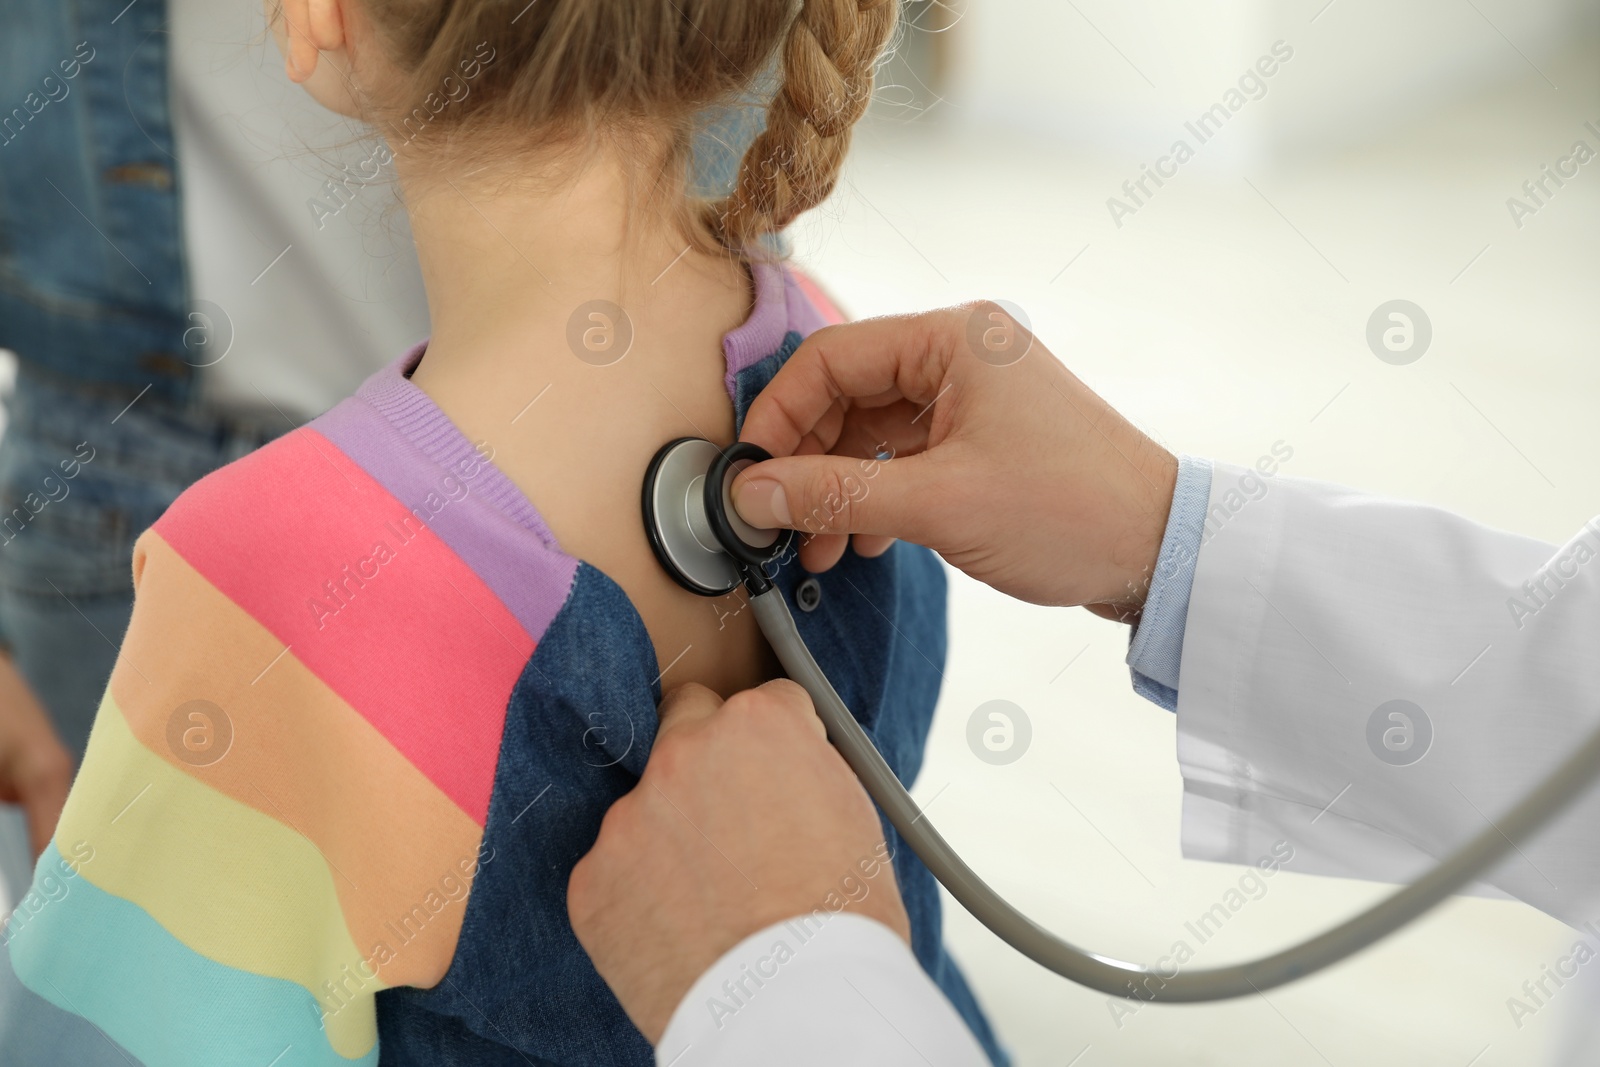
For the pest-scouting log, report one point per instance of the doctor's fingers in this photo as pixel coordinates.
(819, 552)
(882, 433)
(826, 495)
(871, 363)
(898, 428)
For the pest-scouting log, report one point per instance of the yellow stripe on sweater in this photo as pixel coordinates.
(403, 855)
(234, 885)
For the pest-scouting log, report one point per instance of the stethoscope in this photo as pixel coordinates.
(708, 549)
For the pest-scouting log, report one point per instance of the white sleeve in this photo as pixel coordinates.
(835, 989)
(1367, 684)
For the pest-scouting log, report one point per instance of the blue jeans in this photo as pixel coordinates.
(82, 474)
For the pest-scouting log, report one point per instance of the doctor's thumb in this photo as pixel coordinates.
(832, 495)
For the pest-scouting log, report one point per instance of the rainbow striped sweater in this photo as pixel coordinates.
(366, 717)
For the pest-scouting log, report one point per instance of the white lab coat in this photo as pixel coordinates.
(1312, 608)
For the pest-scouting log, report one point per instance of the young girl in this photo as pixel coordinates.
(385, 675)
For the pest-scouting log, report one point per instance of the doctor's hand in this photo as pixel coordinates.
(744, 817)
(1003, 462)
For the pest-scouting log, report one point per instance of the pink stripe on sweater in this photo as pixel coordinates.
(323, 557)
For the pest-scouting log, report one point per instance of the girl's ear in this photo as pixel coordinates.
(313, 37)
(292, 27)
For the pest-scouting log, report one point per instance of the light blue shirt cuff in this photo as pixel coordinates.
(1155, 649)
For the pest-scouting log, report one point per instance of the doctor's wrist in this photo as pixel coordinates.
(1134, 549)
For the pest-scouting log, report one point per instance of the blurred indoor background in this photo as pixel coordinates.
(1226, 310)
(1225, 313)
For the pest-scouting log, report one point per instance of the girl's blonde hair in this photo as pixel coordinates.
(570, 71)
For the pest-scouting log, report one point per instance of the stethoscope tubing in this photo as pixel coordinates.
(1131, 980)
(1102, 973)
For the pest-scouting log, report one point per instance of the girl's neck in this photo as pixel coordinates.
(506, 272)
(506, 262)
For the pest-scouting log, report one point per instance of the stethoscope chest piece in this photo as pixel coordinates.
(689, 517)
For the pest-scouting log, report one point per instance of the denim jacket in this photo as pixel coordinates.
(92, 273)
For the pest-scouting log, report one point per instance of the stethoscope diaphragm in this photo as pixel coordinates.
(689, 517)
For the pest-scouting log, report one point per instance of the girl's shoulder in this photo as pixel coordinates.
(378, 522)
(303, 728)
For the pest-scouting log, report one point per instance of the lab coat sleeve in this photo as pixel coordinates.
(837, 989)
(1371, 683)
